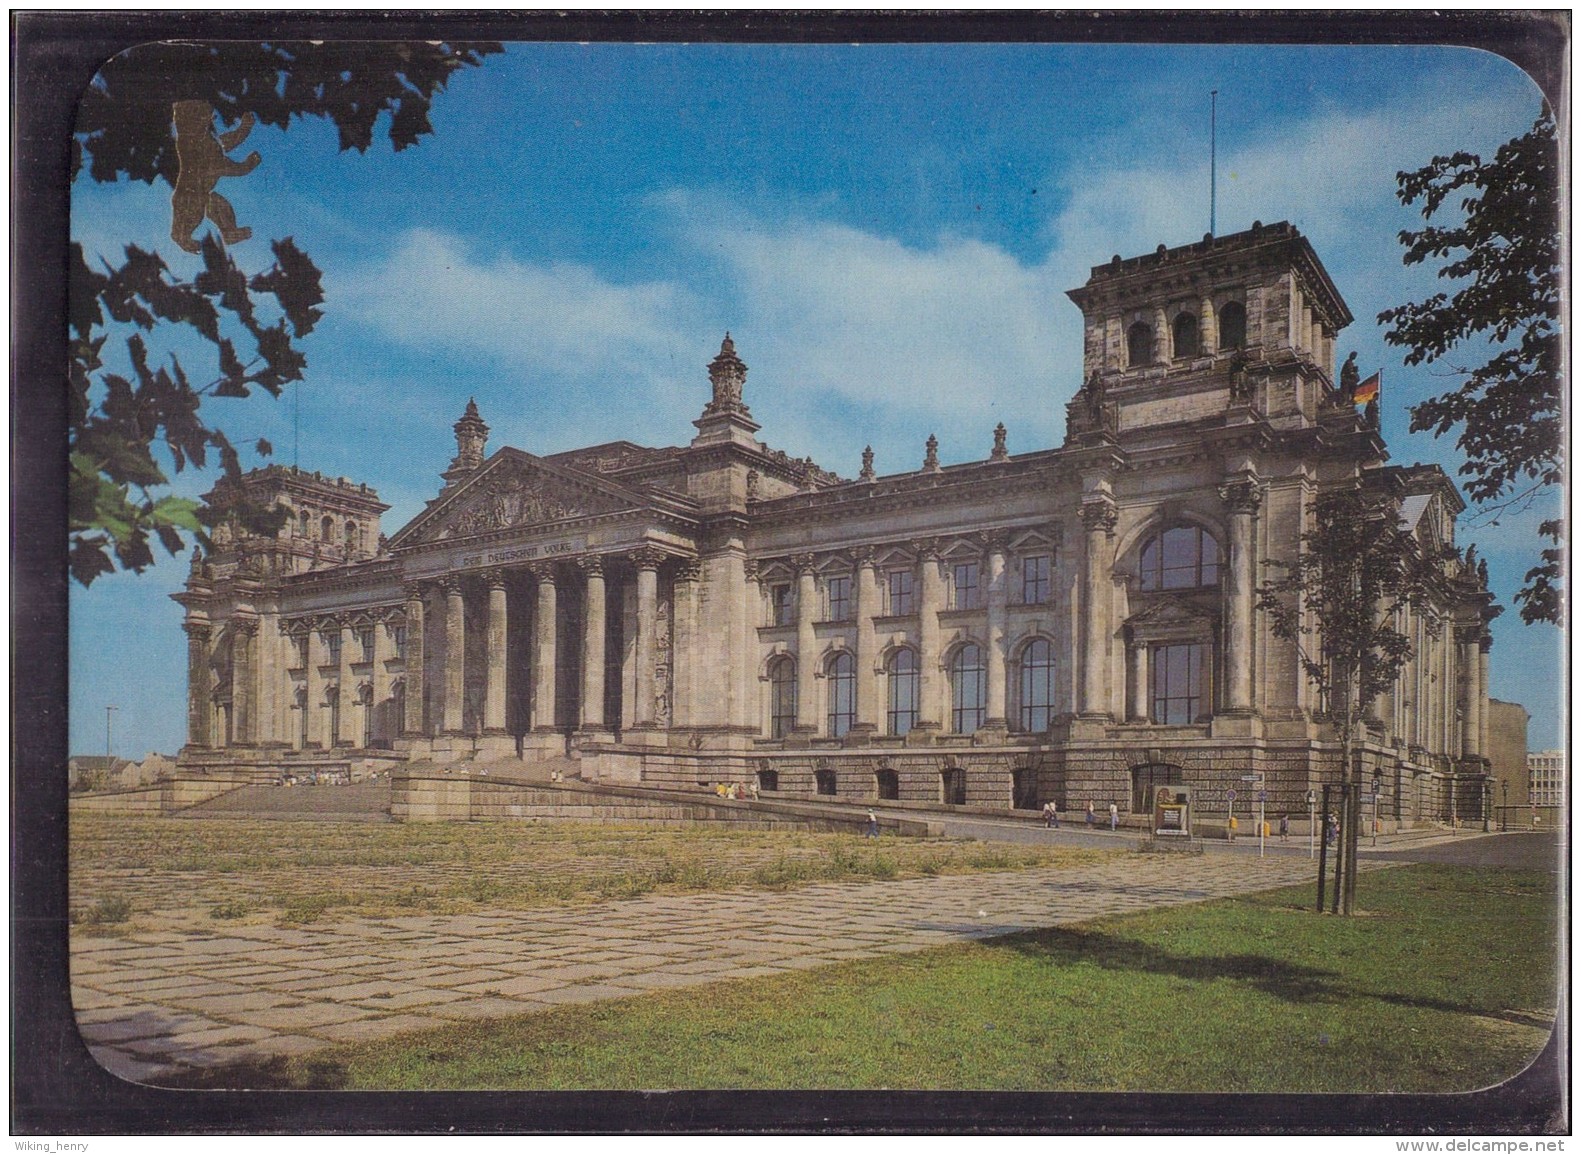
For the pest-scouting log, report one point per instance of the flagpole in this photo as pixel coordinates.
(1213, 165)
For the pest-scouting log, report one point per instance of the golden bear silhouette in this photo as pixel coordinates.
(201, 163)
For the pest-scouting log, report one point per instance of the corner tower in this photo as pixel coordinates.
(1241, 322)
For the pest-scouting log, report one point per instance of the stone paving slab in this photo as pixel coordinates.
(153, 1003)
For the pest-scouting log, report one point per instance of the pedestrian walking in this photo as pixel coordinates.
(1050, 816)
(754, 788)
(1284, 827)
(1114, 817)
(872, 825)
(1092, 817)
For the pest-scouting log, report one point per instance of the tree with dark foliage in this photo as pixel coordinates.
(1337, 601)
(124, 129)
(1505, 256)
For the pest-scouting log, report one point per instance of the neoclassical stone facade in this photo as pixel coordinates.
(1074, 623)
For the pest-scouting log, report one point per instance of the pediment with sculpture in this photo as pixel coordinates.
(509, 494)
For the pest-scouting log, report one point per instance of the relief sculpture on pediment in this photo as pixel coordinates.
(506, 502)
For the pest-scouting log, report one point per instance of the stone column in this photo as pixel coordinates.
(684, 647)
(494, 690)
(244, 680)
(544, 659)
(1469, 653)
(869, 709)
(647, 563)
(1208, 327)
(806, 644)
(348, 685)
(197, 682)
(455, 654)
(381, 682)
(412, 661)
(930, 704)
(1099, 516)
(1241, 497)
(1482, 693)
(317, 724)
(998, 600)
(1140, 708)
(593, 645)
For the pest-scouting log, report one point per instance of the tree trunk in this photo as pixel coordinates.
(1351, 777)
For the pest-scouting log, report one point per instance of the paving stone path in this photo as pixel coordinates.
(156, 1002)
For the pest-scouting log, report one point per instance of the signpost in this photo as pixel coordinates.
(1311, 824)
(1262, 814)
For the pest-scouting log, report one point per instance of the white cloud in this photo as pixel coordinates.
(560, 318)
(954, 330)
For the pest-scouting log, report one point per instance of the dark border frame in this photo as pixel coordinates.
(56, 1086)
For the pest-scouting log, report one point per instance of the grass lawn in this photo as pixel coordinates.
(1447, 983)
(131, 872)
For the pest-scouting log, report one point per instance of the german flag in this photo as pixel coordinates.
(1367, 391)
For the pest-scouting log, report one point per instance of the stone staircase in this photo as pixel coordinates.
(360, 801)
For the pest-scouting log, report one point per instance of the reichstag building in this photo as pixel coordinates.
(1075, 623)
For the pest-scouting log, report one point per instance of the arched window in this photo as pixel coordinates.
(1139, 344)
(1037, 686)
(968, 689)
(397, 709)
(952, 785)
(768, 780)
(327, 529)
(301, 722)
(825, 780)
(903, 688)
(304, 525)
(365, 700)
(1187, 341)
(842, 695)
(782, 697)
(1232, 326)
(352, 537)
(1185, 557)
(888, 783)
(1024, 789)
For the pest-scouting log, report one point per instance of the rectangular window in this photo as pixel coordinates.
(839, 599)
(398, 635)
(1035, 580)
(901, 592)
(301, 644)
(783, 605)
(967, 592)
(1177, 684)
(365, 639)
(332, 640)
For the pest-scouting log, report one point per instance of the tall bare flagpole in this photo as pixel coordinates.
(1213, 165)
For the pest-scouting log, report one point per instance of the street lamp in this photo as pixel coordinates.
(1504, 811)
(109, 713)
(1377, 803)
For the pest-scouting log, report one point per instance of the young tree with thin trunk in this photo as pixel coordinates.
(1338, 600)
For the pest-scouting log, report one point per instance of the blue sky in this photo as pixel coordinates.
(888, 232)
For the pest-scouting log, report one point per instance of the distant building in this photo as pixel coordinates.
(1507, 758)
(1547, 777)
(95, 772)
(1076, 623)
